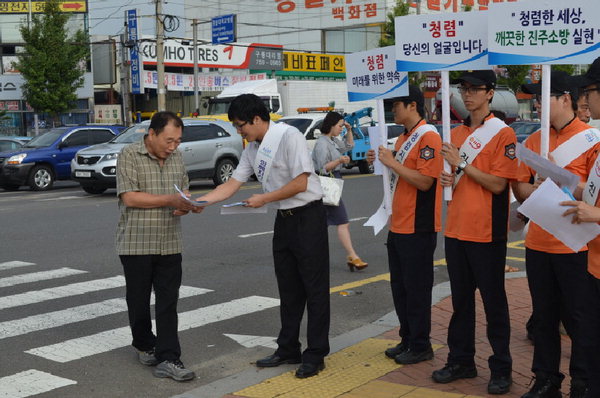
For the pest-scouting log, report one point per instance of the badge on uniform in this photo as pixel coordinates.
(510, 151)
(427, 153)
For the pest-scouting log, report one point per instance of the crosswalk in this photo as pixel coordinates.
(31, 382)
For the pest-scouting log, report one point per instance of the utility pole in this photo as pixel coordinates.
(160, 58)
(195, 47)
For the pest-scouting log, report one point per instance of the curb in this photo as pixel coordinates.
(253, 375)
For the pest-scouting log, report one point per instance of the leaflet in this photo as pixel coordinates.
(194, 202)
(546, 168)
(242, 208)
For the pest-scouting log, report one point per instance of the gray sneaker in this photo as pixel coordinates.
(173, 369)
(147, 357)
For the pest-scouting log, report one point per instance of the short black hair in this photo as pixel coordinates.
(331, 119)
(245, 107)
(160, 120)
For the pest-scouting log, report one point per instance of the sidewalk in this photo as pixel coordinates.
(361, 370)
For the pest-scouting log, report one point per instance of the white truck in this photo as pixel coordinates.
(284, 97)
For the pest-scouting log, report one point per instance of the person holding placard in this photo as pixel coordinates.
(588, 210)
(415, 221)
(482, 155)
(557, 276)
(328, 158)
(278, 155)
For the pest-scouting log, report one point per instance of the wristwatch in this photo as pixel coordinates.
(461, 166)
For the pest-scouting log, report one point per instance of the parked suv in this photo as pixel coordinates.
(47, 157)
(211, 149)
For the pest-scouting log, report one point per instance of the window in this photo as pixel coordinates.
(202, 133)
(78, 138)
(100, 136)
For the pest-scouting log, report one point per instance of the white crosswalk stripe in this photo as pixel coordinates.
(31, 382)
(53, 293)
(39, 276)
(80, 313)
(13, 264)
(78, 348)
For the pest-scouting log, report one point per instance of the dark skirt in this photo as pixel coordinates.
(337, 215)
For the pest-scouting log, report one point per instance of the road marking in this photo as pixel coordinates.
(270, 232)
(352, 285)
(39, 276)
(74, 289)
(80, 313)
(13, 264)
(98, 343)
(31, 382)
(253, 341)
(515, 258)
(59, 198)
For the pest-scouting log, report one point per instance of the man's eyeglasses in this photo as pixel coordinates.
(471, 90)
(238, 126)
(586, 92)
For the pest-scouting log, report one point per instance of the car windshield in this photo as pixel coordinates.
(46, 139)
(132, 134)
(300, 123)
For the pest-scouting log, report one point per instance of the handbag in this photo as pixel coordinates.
(332, 190)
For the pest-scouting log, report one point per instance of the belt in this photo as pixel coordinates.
(296, 210)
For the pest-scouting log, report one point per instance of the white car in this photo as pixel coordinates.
(308, 123)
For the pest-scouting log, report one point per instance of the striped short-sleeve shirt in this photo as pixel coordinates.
(148, 231)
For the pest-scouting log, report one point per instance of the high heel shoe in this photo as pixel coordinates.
(356, 263)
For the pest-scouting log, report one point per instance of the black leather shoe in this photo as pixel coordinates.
(409, 356)
(499, 385)
(452, 372)
(393, 352)
(578, 388)
(309, 369)
(544, 387)
(275, 360)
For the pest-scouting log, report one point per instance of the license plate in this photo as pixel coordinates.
(83, 174)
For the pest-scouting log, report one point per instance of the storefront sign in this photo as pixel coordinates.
(22, 7)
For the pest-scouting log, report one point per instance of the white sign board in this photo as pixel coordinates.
(544, 32)
(206, 82)
(372, 74)
(449, 41)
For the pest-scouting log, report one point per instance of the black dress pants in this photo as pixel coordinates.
(592, 338)
(163, 273)
(558, 281)
(410, 258)
(301, 257)
(474, 265)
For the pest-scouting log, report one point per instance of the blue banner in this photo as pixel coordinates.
(136, 66)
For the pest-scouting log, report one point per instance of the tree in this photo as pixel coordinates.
(516, 76)
(53, 63)
(389, 32)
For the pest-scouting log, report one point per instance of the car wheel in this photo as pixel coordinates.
(41, 178)
(92, 189)
(366, 167)
(223, 171)
(10, 187)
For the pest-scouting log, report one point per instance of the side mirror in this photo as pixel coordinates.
(205, 105)
(62, 144)
(316, 133)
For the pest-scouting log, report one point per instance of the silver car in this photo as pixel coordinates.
(210, 148)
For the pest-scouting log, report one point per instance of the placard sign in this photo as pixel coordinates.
(447, 41)
(372, 74)
(544, 32)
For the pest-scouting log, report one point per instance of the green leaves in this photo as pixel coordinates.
(51, 62)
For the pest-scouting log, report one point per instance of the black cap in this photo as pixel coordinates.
(590, 77)
(414, 94)
(560, 83)
(478, 78)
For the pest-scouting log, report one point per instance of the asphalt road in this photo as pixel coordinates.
(63, 320)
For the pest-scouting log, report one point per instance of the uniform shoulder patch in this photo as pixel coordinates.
(427, 153)
(510, 151)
